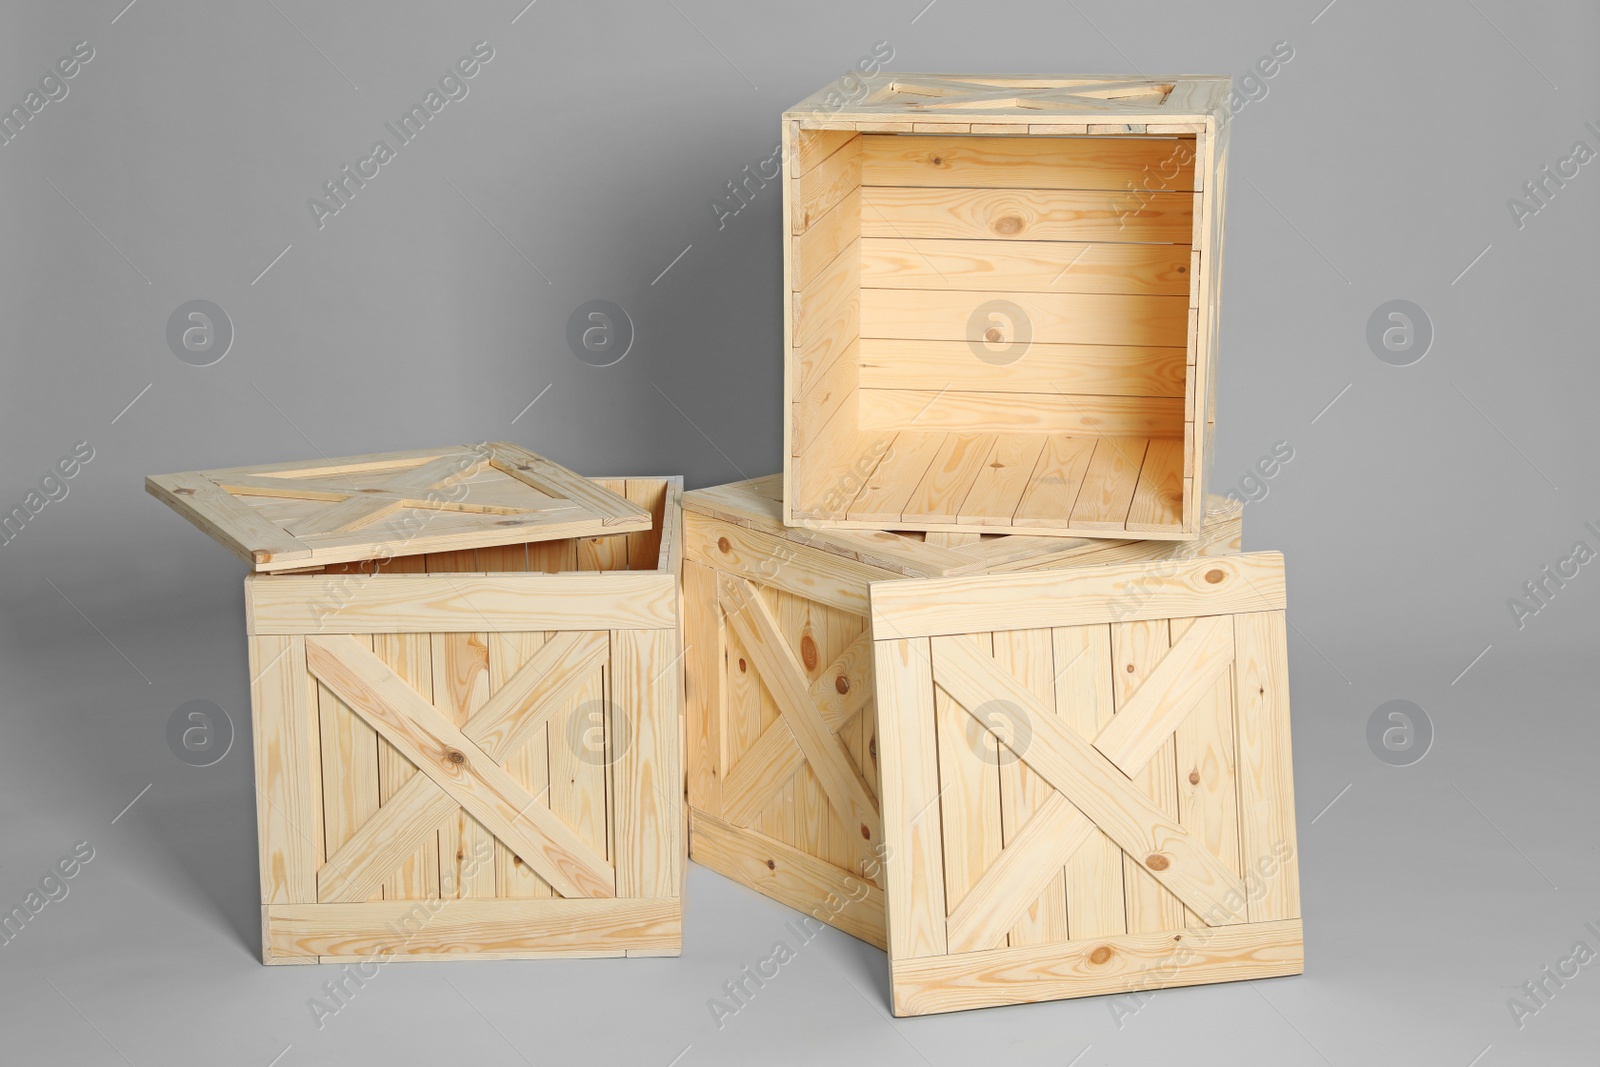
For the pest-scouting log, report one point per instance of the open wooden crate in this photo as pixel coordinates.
(1002, 303)
(782, 738)
(465, 748)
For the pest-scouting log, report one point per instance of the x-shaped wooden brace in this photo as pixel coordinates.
(1093, 791)
(460, 766)
(807, 732)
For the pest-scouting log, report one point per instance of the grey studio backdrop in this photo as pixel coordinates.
(1426, 152)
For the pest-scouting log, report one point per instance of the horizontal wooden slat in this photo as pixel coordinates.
(227, 520)
(1166, 589)
(958, 411)
(1052, 318)
(1027, 215)
(471, 928)
(1097, 370)
(455, 603)
(789, 876)
(816, 191)
(1120, 963)
(774, 561)
(1151, 162)
(1025, 266)
(814, 251)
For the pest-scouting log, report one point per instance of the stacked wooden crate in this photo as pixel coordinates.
(923, 706)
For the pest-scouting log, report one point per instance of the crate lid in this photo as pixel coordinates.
(289, 516)
(757, 504)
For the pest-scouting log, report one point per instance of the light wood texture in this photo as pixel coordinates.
(1178, 588)
(1125, 827)
(815, 587)
(287, 751)
(1118, 963)
(1004, 254)
(462, 603)
(359, 507)
(473, 929)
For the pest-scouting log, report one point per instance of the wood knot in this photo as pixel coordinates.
(872, 748)
(866, 834)
(1194, 777)
(742, 666)
(937, 161)
(369, 490)
(1183, 270)
(772, 865)
(1214, 576)
(455, 756)
(1008, 224)
(183, 492)
(994, 335)
(723, 545)
(841, 685)
(1101, 955)
(808, 652)
(1130, 668)
(516, 861)
(1156, 861)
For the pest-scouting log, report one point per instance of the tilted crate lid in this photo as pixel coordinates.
(757, 504)
(288, 516)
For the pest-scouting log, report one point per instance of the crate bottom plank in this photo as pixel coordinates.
(1122, 963)
(789, 876)
(470, 929)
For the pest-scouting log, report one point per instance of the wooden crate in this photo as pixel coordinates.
(1087, 784)
(1003, 300)
(783, 750)
(461, 752)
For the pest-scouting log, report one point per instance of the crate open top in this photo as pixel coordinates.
(296, 516)
(1003, 296)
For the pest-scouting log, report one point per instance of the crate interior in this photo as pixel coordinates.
(992, 331)
(642, 550)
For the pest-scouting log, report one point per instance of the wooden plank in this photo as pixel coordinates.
(358, 869)
(845, 684)
(1027, 215)
(584, 738)
(818, 189)
(1093, 370)
(1084, 699)
(815, 251)
(545, 683)
(455, 603)
(1208, 803)
(777, 563)
(1054, 318)
(647, 813)
(1029, 657)
(1217, 585)
(804, 628)
(411, 657)
(705, 666)
(528, 762)
(474, 929)
(969, 786)
(547, 477)
(349, 762)
(829, 296)
(812, 147)
(910, 796)
(960, 412)
(426, 737)
(748, 616)
(760, 773)
(957, 464)
(284, 716)
(1109, 484)
(644, 546)
(226, 519)
(1056, 482)
(1266, 767)
(1094, 785)
(1020, 164)
(1105, 965)
(884, 494)
(1158, 500)
(998, 489)
(820, 400)
(792, 877)
(360, 509)
(1024, 266)
(1161, 694)
(1137, 649)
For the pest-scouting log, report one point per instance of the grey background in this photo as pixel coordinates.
(433, 309)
